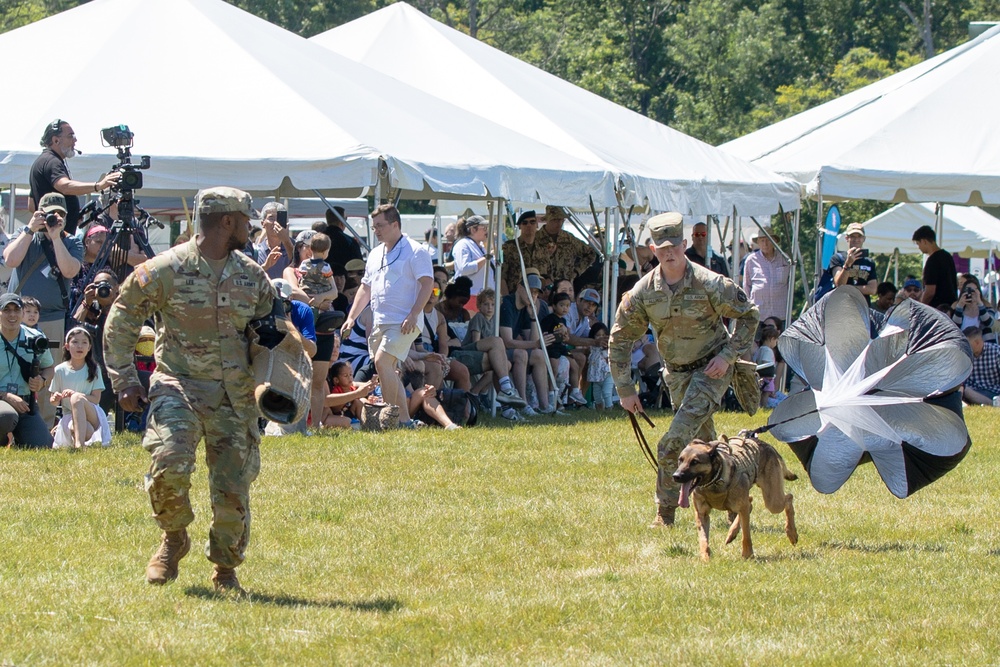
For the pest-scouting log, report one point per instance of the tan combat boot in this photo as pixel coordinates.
(162, 567)
(224, 580)
(664, 516)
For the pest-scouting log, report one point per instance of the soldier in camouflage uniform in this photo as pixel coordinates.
(559, 254)
(685, 304)
(202, 295)
(527, 224)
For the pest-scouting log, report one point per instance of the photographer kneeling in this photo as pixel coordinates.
(25, 367)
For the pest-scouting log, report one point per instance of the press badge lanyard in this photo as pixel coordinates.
(12, 363)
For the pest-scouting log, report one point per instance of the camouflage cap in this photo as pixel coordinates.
(666, 229)
(554, 213)
(52, 202)
(224, 200)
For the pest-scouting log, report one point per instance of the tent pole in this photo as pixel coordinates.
(357, 237)
(611, 279)
(819, 235)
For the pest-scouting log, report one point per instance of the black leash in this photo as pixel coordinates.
(643, 445)
(764, 429)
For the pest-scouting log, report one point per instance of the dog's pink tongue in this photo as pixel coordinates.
(684, 499)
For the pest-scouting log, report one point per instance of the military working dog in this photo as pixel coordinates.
(721, 472)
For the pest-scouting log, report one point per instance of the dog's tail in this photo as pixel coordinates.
(786, 473)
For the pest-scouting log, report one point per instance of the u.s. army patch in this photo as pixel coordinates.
(626, 302)
(696, 297)
(143, 275)
(741, 296)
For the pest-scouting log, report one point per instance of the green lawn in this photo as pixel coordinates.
(497, 545)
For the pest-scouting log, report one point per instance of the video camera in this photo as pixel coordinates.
(120, 137)
(36, 343)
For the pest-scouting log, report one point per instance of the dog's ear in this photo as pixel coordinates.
(723, 438)
(713, 448)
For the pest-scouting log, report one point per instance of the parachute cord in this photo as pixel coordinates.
(764, 429)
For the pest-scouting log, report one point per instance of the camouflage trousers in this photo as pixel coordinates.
(697, 397)
(232, 451)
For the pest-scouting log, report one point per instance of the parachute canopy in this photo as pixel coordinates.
(881, 388)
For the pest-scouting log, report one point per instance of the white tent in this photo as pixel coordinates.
(967, 231)
(927, 133)
(670, 169)
(218, 96)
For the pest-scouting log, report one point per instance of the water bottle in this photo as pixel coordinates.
(996, 401)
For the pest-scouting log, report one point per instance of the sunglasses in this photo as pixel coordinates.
(699, 235)
(436, 291)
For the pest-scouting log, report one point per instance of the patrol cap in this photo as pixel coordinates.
(855, 228)
(282, 287)
(666, 229)
(9, 298)
(590, 294)
(52, 202)
(355, 265)
(224, 200)
(554, 213)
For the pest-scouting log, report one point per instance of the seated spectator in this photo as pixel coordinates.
(518, 329)
(340, 281)
(431, 347)
(354, 347)
(20, 422)
(885, 297)
(566, 369)
(456, 295)
(355, 269)
(480, 338)
(767, 368)
(599, 368)
(983, 384)
(77, 385)
(971, 311)
(912, 289)
(423, 404)
(345, 400)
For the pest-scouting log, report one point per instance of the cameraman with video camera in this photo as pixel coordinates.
(26, 367)
(46, 259)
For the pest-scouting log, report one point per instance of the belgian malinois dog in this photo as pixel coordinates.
(721, 472)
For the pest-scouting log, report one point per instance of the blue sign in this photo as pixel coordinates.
(831, 227)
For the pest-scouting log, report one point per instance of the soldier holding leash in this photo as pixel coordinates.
(684, 303)
(204, 293)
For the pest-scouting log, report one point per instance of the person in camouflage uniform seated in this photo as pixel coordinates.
(684, 303)
(203, 293)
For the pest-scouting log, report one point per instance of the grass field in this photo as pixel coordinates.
(497, 545)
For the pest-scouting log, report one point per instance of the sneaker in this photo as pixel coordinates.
(552, 411)
(510, 397)
(576, 396)
(512, 415)
(413, 424)
(528, 411)
(452, 427)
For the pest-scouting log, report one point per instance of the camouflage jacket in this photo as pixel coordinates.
(686, 321)
(201, 349)
(563, 255)
(511, 270)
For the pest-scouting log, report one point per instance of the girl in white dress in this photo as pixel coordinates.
(78, 385)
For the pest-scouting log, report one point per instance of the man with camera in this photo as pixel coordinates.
(26, 367)
(49, 172)
(204, 294)
(46, 259)
(92, 312)
(855, 267)
(275, 250)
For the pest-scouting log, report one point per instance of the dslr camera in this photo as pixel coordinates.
(104, 289)
(51, 220)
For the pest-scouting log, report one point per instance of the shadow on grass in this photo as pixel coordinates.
(882, 547)
(378, 605)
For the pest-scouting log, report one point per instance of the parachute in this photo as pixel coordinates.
(881, 388)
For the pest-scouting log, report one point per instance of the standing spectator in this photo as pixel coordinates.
(885, 297)
(599, 369)
(471, 259)
(20, 422)
(940, 276)
(765, 278)
(560, 253)
(431, 243)
(983, 384)
(971, 311)
(49, 173)
(699, 250)
(274, 251)
(203, 386)
(46, 259)
(855, 267)
(685, 304)
(527, 226)
(343, 247)
(398, 281)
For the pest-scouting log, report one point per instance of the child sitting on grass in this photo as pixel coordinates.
(599, 369)
(78, 385)
(345, 398)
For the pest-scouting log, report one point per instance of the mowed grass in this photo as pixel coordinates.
(497, 545)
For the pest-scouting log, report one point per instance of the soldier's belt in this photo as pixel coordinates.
(694, 365)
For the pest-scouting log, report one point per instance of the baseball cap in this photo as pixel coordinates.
(96, 229)
(534, 282)
(282, 287)
(474, 220)
(912, 282)
(554, 213)
(305, 236)
(355, 265)
(52, 202)
(224, 199)
(590, 294)
(855, 228)
(9, 298)
(666, 229)
(527, 217)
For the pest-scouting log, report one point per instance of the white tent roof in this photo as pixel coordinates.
(967, 230)
(671, 169)
(927, 133)
(260, 108)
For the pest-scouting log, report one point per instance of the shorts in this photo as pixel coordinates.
(389, 338)
(324, 347)
(471, 359)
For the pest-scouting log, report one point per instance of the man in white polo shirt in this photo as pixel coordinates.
(397, 282)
